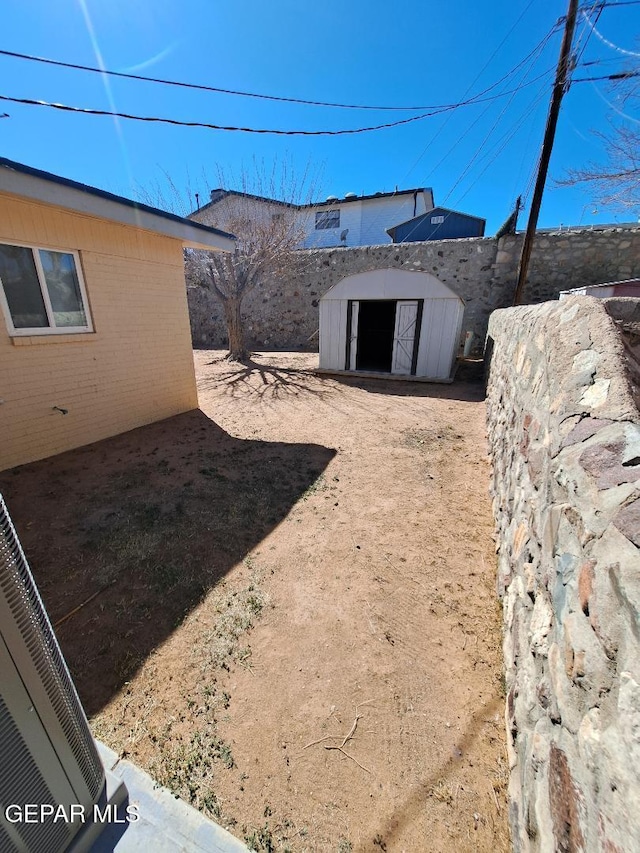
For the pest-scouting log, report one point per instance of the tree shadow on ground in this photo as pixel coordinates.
(259, 377)
(135, 530)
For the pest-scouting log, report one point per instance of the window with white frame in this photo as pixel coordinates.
(437, 220)
(42, 291)
(327, 219)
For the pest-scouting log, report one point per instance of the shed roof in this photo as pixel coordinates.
(390, 283)
(433, 212)
(27, 182)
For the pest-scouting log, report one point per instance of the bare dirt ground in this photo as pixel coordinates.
(295, 627)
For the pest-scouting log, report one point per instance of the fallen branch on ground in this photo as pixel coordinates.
(346, 739)
(344, 752)
(84, 603)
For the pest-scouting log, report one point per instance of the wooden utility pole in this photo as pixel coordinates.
(559, 87)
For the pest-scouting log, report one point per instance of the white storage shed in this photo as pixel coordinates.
(391, 322)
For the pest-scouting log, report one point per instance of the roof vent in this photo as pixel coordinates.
(332, 198)
(351, 195)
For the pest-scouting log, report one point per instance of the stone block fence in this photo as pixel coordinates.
(564, 434)
(283, 313)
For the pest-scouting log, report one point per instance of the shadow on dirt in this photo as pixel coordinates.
(416, 802)
(263, 379)
(260, 376)
(467, 391)
(135, 530)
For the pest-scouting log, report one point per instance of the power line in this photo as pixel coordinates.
(492, 155)
(622, 75)
(278, 132)
(598, 8)
(537, 49)
(497, 121)
(210, 126)
(502, 143)
(599, 61)
(204, 88)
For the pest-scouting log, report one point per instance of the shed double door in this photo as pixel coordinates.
(398, 354)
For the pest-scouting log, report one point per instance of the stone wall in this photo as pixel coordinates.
(625, 313)
(283, 314)
(564, 434)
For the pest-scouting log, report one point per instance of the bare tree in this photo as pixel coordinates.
(616, 182)
(264, 211)
(265, 242)
(266, 217)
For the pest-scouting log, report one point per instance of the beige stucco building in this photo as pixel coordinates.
(94, 337)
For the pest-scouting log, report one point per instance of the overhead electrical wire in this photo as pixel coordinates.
(211, 126)
(621, 3)
(431, 110)
(491, 155)
(537, 49)
(506, 106)
(278, 132)
(204, 88)
(482, 153)
(600, 61)
(597, 7)
(622, 75)
(526, 154)
(532, 57)
(502, 143)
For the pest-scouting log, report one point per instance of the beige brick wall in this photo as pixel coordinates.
(135, 368)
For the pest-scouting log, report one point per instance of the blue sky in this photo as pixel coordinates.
(477, 158)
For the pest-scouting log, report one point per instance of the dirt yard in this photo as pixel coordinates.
(286, 605)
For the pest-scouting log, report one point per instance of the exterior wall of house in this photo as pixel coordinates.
(231, 209)
(367, 220)
(325, 238)
(135, 368)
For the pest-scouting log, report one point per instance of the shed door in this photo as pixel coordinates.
(352, 342)
(404, 337)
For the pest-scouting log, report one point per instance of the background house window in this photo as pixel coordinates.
(437, 220)
(327, 219)
(42, 291)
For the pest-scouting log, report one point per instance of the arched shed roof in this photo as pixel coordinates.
(390, 284)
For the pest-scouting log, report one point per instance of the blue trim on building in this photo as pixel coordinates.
(448, 225)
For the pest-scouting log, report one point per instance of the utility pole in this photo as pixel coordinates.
(559, 87)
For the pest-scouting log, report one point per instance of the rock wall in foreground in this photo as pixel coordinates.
(564, 435)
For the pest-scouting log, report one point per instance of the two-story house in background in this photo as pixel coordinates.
(361, 220)
(365, 220)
